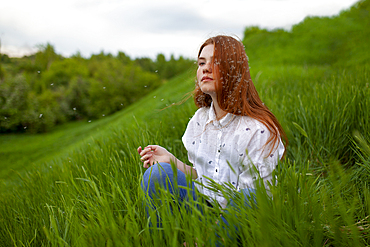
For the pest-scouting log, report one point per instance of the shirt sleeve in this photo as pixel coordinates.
(191, 131)
(186, 139)
(258, 161)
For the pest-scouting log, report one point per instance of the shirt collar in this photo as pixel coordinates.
(218, 123)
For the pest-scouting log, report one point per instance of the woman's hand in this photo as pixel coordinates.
(152, 154)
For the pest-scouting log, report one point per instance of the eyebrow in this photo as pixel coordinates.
(199, 58)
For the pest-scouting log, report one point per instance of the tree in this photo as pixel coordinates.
(45, 56)
(13, 102)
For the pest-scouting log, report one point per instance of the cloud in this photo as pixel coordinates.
(144, 27)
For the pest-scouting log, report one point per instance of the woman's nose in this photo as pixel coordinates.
(207, 68)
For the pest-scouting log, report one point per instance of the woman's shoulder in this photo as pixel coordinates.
(201, 113)
(250, 124)
(195, 125)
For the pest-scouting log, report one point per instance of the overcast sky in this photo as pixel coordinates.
(144, 28)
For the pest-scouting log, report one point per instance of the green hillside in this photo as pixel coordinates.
(90, 196)
(19, 151)
(339, 40)
(79, 185)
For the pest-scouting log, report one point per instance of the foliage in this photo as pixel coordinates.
(57, 89)
(13, 105)
(165, 69)
(340, 40)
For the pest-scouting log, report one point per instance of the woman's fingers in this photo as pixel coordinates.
(152, 147)
(145, 151)
(146, 165)
(146, 156)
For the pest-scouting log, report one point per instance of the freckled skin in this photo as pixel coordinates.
(206, 79)
(205, 74)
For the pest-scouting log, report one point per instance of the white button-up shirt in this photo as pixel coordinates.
(239, 140)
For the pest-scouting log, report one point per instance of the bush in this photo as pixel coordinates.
(13, 102)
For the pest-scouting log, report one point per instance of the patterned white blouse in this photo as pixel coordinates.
(239, 140)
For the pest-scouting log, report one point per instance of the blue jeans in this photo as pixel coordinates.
(163, 176)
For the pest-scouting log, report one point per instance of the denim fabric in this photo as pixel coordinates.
(163, 176)
(248, 197)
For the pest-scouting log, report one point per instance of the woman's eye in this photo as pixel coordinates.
(201, 63)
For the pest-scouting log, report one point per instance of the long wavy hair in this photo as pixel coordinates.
(235, 90)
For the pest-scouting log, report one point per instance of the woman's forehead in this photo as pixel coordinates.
(207, 52)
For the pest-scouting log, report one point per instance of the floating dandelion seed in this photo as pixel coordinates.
(5, 118)
(74, 108)
(89, 121)
(50, 167)
(25, 127)
(162, 99)
(103, 87)
(38, 72)
(154, 97)
(145, 86)
(121, 104)
(40, 115)
(156, 71)
(52, 84)
(103, 115)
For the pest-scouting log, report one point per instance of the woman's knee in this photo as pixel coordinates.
(160, 173)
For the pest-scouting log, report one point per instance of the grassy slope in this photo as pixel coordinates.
(89, 194)
(19, 152)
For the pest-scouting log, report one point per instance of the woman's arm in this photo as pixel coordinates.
(152, 154)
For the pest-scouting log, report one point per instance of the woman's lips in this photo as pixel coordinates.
(206, 78)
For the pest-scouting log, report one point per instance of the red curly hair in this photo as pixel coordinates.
(235, 90)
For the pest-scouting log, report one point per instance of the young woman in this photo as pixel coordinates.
(231, 134)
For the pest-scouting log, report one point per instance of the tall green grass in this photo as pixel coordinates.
(92, 196)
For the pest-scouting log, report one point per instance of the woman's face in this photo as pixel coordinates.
(205, 76)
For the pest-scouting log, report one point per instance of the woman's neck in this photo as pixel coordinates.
(218, 111)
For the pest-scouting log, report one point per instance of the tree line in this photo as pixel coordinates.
(40, 91)
(45, 89)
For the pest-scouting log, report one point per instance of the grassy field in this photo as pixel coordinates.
(80, 185)
(20, 151)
